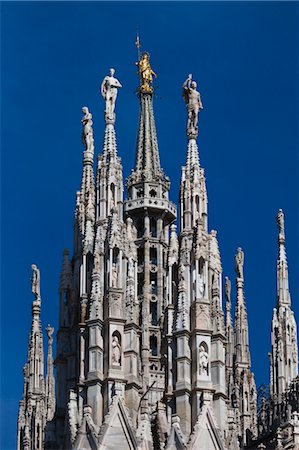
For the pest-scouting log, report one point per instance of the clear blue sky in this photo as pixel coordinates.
(54, 57)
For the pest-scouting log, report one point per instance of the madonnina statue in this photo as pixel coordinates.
(194, 105)
(109, 92)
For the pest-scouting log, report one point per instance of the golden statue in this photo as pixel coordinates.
(146, 74)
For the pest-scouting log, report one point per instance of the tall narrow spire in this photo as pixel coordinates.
(32, 412)
(109, 172)
(241, 322)
(50, 381)
(284, 355)
(36, 352)
(193, 193)
(283, 296)
(147, 165)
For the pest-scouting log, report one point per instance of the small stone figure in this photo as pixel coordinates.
(280, 222)
(50, 331)
(35, 280)
(203, 361)
(115, 351)
(228, 288)
(109, 92)
(146, 74)
(194, 105)
(130, 268)
(114, 276)
(87, 132)
(200, 286)
(239, 263)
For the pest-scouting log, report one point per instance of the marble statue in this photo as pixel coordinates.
(130, 268)
(239, 263)
(109, 88)
(50, 331)
(146, 73)
(194, 105)
(35, 280)
(280, 222)
(200, 286)
(228, 288)
(114, 275)
(115, 351)
(87, 132)
(203, 361)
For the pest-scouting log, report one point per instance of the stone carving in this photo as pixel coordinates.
(130, 268)
(194, 105)
(115, 351)
(87, 132)
(114, 276)
(280, 223)
(109, 88)
(203, 361)
(239, 263)
(35, 280)
(146, 74)
(50, 331)
(202, 316)
(200, 286)
(181, 277)
(228, 288)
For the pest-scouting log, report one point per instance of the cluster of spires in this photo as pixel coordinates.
(194, 227)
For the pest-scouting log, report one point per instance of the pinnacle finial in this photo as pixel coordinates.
(109, 88)
(194, 106)
(145, 73)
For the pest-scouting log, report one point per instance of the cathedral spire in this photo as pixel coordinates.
(109, 172)
(284, 355)
(241, 322)
(36, 352)
(147, 165)
(31, 420)
(50, 381)
(283, 296)
(193, 192)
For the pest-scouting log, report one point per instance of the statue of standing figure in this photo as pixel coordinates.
(115, 351)
(239, 263)
(114, 276)
(203, 361)
(87, 132)
(194, 105)
(35, 281)
(280, 222)
(146, 73)
(228, 288)
(109, 88)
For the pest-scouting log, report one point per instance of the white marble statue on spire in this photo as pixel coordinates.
(35, 281)
(239, 263)
(109, 88)
(194, 105)
(87, 132)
